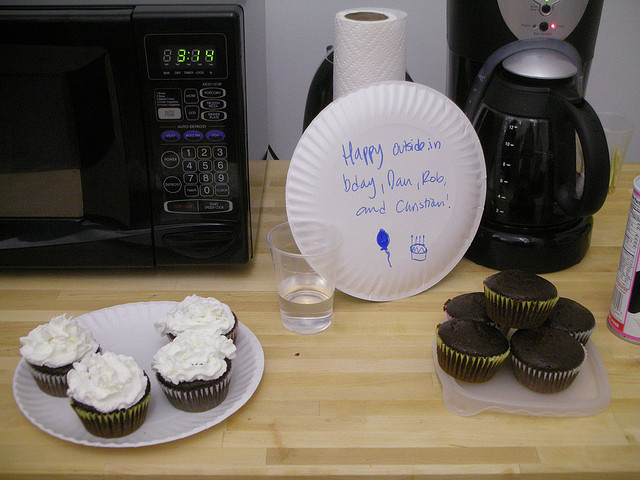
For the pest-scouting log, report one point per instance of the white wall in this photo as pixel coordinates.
(298, 32)
(614, 82)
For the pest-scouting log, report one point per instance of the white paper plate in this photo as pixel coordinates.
(128, 329)
(399, 169)
(587, 395)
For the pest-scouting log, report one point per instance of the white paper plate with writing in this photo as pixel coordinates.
(399, 169)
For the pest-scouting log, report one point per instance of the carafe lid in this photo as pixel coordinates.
(543, 64)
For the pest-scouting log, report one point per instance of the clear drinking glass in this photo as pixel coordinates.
(618, 130)
(305, 281)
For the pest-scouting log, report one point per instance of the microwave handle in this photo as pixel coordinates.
(93, 234)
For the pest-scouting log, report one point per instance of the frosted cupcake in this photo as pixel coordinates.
(198, 312)
(194, 370)
(51, 349)
(109, 393)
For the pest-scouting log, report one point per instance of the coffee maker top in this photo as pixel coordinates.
(544, 64)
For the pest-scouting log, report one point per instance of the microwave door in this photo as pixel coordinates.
(73, 175)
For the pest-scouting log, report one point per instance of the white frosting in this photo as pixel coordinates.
(194, 355)
(107, 382)
(196, 312)
(60, 342)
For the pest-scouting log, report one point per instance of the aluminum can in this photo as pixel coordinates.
(624, 315)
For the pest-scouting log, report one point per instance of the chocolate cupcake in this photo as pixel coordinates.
(51, 349)
(194, 370)
(573, 318)
(470, 305)
(546, 359)
(110, 394)
(198, 312)
(518, 299)
(469, 350)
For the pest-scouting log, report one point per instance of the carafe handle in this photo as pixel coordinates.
(596, 161)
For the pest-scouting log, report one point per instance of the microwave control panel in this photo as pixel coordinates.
(194, 159)
(194, 87)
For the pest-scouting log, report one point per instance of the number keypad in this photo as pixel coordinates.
(209, 177)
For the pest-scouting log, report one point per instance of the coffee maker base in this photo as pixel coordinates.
(536, 250)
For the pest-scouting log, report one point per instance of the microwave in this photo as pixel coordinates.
(132, 134)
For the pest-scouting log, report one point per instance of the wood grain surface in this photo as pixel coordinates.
(360, 400)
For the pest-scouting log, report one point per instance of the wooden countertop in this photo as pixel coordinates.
(359, 400)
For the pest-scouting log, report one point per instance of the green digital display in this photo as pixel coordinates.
(188, 57)
(176, 56)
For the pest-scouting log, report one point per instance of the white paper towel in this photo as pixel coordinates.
(370, 46)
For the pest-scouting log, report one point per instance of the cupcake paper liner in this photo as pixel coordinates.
(113, 424)
(191, 397)
(468, 368)
(233, 333)
(517, 313)
(582, 337)
(52, 383)
(542, 381)
(52, 380)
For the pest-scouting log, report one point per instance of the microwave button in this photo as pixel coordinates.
(206, 177)
(190, 178)
(172, 184)
(220, 152)
(205, 166)
(222, 177)
(191, 190)
(222, 190)
(215, 135)
(188, 152)
(204, 152)
(215, 206)
(221, 165)
(190, 95)
(193, 136)
(206, 190)
(170, 159)
(214, 116)
(213, 92)
(169, 113)
(170, 136)
(192, 112)
(213, 104)
(181, 206)
(189, 166)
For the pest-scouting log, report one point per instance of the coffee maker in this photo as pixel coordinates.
(519, 70)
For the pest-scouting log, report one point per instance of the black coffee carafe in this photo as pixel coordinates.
(543, 185)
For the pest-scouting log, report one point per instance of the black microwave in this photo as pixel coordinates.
(131, 134)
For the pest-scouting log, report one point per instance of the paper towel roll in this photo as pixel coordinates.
(370, 46)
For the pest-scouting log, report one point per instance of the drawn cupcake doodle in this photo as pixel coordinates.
(383, 242)
(418, 249)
